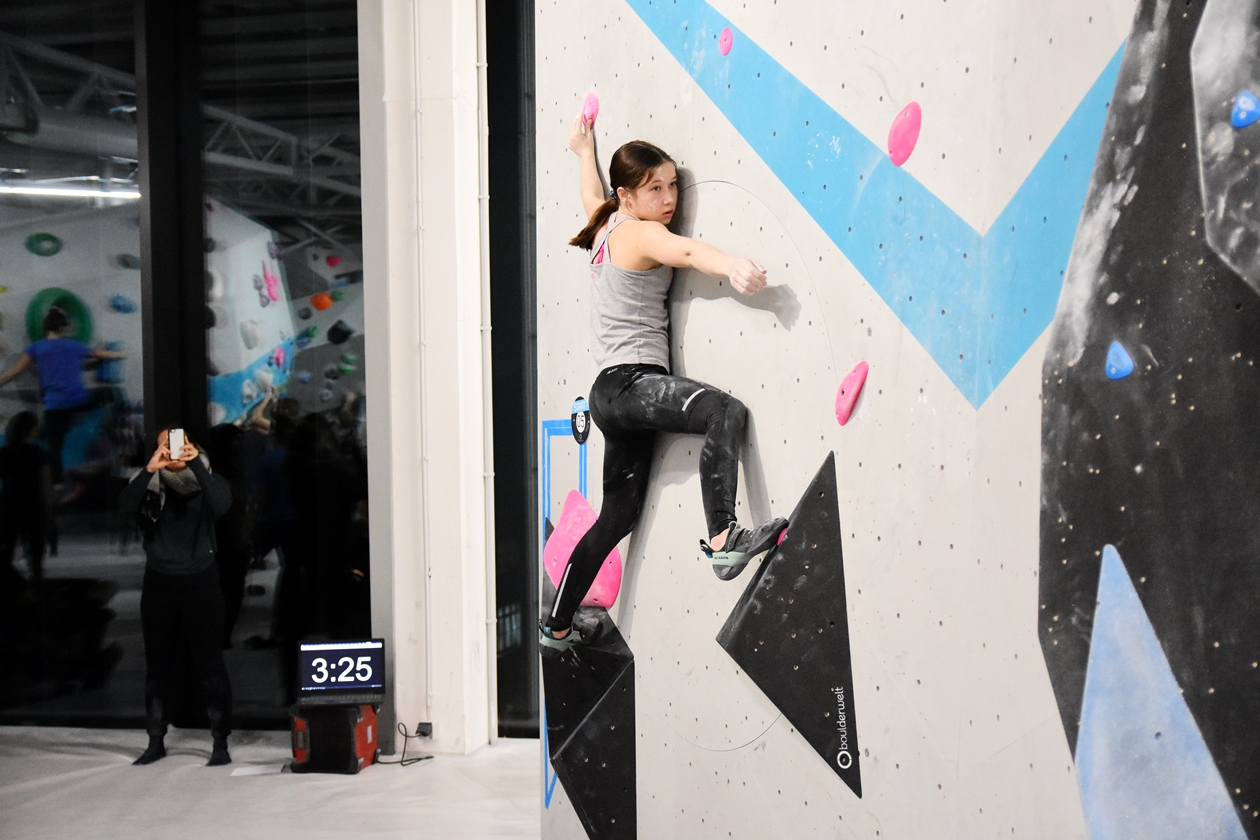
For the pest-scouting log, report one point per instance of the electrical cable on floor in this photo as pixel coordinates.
(403, 760)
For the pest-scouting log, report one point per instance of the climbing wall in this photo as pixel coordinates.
(988, 569)
(86, 263)
(1149, 512)
(249, 331)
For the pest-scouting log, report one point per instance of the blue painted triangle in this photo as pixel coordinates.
(1144, 769)
(976, 302)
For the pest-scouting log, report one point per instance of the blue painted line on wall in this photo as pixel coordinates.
(1144, 768)
(549, 776)
(975, 314)
(550, 429)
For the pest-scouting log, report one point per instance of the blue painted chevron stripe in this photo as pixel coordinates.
(975, 302)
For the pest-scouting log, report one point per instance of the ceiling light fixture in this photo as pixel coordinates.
(69, 192)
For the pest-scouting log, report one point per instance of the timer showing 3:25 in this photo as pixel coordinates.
(325, 666)
(352, 671)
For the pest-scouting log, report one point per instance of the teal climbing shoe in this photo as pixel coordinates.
(742, 547)
(583, 631)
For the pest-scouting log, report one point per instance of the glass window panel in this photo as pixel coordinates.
(279, 86)
(70, 246)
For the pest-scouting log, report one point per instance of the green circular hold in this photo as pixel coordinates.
(43, 244)
(338, 296)
(69, 303)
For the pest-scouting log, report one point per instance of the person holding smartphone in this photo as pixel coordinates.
(177, 500)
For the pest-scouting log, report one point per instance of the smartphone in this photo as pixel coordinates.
(176, 443)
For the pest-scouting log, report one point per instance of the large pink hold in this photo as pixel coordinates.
(850, 388)
(904, 133)
(575, 520)
(725, 40)
(590, 108)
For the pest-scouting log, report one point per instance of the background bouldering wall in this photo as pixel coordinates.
(925, 591)
(1148, 520)
(87, 264)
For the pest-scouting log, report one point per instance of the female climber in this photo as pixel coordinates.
(634, 395)
(58, 362)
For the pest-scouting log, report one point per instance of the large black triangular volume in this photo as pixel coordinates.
(589, 695)
(790, 629)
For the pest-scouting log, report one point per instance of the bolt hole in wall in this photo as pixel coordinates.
(280, 293)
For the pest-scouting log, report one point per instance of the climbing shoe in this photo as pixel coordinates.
(583, 631)
(742, 547)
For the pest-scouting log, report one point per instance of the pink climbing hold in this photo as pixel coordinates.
(333, 260)
(590, 108)
(782, 537)
(904, 133)
(273, 283)
(575, 520)
(850, 388)
(725, 40)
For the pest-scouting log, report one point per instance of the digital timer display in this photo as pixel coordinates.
(341, 668)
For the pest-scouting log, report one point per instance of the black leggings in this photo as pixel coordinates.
(184, 614)
(59, 421)
(630, 404)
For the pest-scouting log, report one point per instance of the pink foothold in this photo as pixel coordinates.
(590, 108)
(575, 520)
(782, 537)
(725, 40)
(333, 260)
(272, 282)
(850, 389)
(904, 133)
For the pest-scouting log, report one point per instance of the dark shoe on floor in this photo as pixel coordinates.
(155, 751)
(219, 755)
(582, 632)
(742, 547)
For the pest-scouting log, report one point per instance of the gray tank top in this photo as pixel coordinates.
(629, 321)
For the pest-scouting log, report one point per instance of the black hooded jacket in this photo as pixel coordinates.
(183, 541)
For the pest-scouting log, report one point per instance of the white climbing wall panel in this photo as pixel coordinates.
(960, 734)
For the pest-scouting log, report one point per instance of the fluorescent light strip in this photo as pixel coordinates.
(69, 192)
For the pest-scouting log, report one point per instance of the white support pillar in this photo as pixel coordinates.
(422, 285)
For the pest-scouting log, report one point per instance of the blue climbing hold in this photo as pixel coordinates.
(122, 303)
(1246, 110)
(1119, 362)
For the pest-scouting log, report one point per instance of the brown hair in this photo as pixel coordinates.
(55, 321)
(631, 167)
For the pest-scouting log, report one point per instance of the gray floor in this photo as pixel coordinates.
(79, 783)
